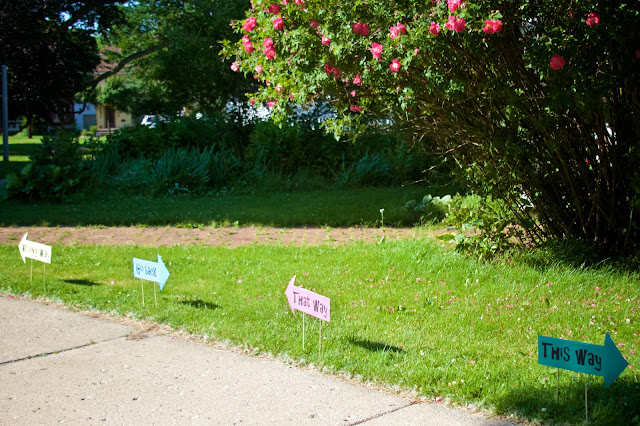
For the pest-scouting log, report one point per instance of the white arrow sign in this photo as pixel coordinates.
(151, 271)
(34, 250)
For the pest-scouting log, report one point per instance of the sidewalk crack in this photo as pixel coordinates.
(359, 422)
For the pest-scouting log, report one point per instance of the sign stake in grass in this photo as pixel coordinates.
(586, 404)
(558, 387)
(156, 272)
(37, 251)
(320, 341)
(310, 303)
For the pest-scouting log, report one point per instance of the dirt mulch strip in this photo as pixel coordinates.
(229, 237)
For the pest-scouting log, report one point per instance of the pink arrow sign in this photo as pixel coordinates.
(307, 301)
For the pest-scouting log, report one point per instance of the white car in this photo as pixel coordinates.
(151, 120)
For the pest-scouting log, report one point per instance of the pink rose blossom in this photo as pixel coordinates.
(593, 19)
(314, 23)
(274, 9)
(357, 80)
(376, 50)
(353, 93)
(491, 27)
(285, 2)
(355, 108)
(271, 104)
(434, 28)
(556, 62)
(258, 69)
(453, 5)
(360, 28)
(328, 68)
(337, 73)
(397, 30)
(451, 23)
(250, 24)
(248, 47)
(278, 23)
(269, 53)
(279, 87)
(325, 40)
(395, 65)
(460, 25)
(268, 50)
(235, 66)
(299, 2)
(252, 102)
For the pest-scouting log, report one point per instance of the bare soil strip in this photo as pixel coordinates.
(229, 237)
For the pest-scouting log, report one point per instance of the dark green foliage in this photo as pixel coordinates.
(56, 169)
(51, 52)
(188, 155)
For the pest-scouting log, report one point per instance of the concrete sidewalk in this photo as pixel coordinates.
(62, 367)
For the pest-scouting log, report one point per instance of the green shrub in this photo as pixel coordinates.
(275, 148)
(486, 226)
(177, 171)
(430, 209)
(56, 169)
(91, 131)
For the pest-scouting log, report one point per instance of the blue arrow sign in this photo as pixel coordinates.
(151, 271)
(605, 361)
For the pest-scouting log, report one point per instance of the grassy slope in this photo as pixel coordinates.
(20, 148)
(329, 207)
(403, 313)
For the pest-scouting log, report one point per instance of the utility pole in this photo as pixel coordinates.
(5, 116)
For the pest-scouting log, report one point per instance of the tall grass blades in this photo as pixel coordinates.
(178, 170)
(370, 169)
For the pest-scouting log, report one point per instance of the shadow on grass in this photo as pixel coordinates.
(617, 405)
(200, 304)
(375, 346)
(86, 283)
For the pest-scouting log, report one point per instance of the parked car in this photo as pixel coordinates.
(151, 120)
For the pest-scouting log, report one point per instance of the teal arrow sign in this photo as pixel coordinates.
(151, 271)
(605, 361)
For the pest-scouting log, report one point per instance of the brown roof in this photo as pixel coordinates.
(104, 65)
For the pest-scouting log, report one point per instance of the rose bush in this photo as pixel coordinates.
(535, 98)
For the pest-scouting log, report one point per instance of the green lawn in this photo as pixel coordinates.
(20, 147)
(410, 314)
(319, 208)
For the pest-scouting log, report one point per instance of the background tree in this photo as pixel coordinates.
(50, 49)
(175, 49)
(534, 98)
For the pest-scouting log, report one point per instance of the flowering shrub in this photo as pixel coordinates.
(534, 97)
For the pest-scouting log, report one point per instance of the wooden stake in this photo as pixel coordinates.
(44, 274)
(320, 340)
(154, 294)
(31, 278)
(558, 387)
(142, 285)
(303, 331)
(586, 405)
